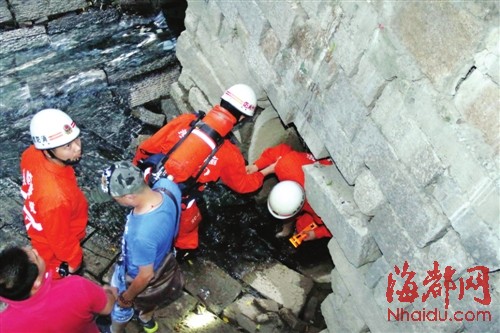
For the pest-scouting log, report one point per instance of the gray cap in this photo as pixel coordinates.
(122, 178)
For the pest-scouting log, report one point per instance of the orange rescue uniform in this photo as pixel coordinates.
(55, 210)
(228, 165)
(289, 167)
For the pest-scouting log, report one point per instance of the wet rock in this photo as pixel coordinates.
(201, 321)
(292, 320)
(266, 305)
(213, 287)
(250, 318)
(281, 284)
(148, 117)
(87, 20)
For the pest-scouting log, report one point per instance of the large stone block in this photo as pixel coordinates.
(268, 132)
(332, 199)
(396, 244)
(152, 87)
(449, 251)
(344, 106)
(376, 271)
(26, 10)
(353, 35)
(362, 296)
(282, 18)
(329, 308)
(441, 28)
(479, 317)
(179, 96)
(350, 317)
(197, 99)
(211, 285)
(248, 315)
(408, 141)
(477, 99)
(367, 193)
(487, 61)
(279, 283)
(200, 70)
(416, 211)
(474, 231)
(315, 143)
(369, 81)
(5, 15)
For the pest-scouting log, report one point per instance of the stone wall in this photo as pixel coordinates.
(404, 96)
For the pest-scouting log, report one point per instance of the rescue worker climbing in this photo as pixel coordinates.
(55, 209)
(287, 200)
(195, 150)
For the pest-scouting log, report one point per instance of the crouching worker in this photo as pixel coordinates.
(147, 274)
(287, 202)
(38, 304)
(197, 150)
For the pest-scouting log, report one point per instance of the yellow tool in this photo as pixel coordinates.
(297, 239)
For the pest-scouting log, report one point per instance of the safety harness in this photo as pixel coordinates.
(157, 161)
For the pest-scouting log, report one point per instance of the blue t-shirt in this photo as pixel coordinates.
(148, 237)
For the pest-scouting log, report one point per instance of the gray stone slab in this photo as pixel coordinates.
(362, 296)
(279, 283)
(213, 287)
(152, 87)
(474, 231)
(332, 199)
(247, 315)
(367, 193)
(149, 117)
(5, 14)
(446, 30)
(416, 212)
(25, 10)
(410, 144)
(376, 271)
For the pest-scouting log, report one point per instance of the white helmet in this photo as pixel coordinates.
(286, 199)
(242, 97)
(51, 128)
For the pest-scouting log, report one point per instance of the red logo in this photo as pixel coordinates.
(67, 129)
(436, 284)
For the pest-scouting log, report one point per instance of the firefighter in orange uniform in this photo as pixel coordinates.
(55, 209)
(287, 199)
(194, 151)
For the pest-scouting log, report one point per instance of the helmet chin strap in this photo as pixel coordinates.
(65, 162)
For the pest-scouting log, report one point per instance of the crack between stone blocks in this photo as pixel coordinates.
(381, 89)
(355, 70)
(9, 7)
(472, 69)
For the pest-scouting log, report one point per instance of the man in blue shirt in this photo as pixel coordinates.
(150, 229)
